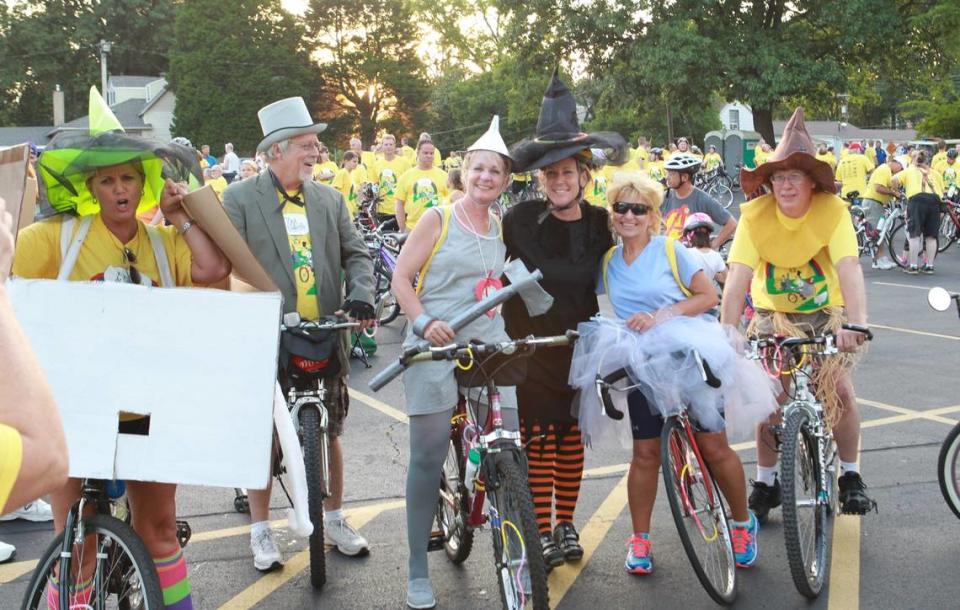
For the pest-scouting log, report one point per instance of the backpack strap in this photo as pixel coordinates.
(444, 229)
(672, 259)
(70, 244)
(604, 265)
(160, 254)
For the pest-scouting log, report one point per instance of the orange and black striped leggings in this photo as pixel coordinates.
(555, 469)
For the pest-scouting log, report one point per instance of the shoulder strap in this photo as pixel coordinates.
(70, 244)
(672, 258)
(604, 265)
(160, 255)
(444, 228)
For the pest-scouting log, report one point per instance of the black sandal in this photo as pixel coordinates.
(568, 541)
(552, 556)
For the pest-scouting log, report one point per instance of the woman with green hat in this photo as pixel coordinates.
(98, 181)
(565, 238)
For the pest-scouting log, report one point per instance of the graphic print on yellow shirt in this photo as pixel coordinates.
(388, 175)
(421, 189)
(596, 191)
(301, 257)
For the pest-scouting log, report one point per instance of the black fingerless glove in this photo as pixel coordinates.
(358, 310)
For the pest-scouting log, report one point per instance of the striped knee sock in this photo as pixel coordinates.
(567, 472)
(79, 594)
(174, 581)
(541, 453)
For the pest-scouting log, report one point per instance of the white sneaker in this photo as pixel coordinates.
(35, 511)
(342, 535)
(7, 551)
(266, 554)
(886, 264)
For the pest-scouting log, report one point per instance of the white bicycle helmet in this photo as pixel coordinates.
(682, 162)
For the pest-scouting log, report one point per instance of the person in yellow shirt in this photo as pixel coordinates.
(367, 158)
(407, 151)
(654, 167)
(923, 188)
(939, 159)
(796, 251)
(824, 154)
(951, 171)
(712, 160)
(875, 200)
(349, 179)
(760, 153)
(420, 188)
(852, 173)
(871, 153)
(386, 173)
(325, 170)
(213, 176)
(640, 154)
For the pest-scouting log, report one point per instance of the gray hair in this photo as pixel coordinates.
(283, 145)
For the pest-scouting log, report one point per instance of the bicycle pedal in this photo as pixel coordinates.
(437, 540)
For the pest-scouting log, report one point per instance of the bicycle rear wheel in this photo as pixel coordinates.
(898, 245)
(948, 470)
(948, 232)
(521, 572)
(804, 507)
(314, 462)
(453, 507)
(124, 575)
(386, 306)
(722, 193)
(698, 511)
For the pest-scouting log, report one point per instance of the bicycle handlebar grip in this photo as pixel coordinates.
(860, 329)
(603, 388)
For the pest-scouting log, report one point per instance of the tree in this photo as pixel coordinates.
(226, 65)
(369, 64)
(55, 42)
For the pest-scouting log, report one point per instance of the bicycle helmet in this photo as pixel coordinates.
(683, 162)
(696, 221)
(952, 153)
(182, 141)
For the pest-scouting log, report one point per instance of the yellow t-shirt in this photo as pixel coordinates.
(101, 257)
(712, 161)
(871, 153)
(805, 288)
(951, 175)
(939, 160)
(218, 185)
(319, 168)
(345, 182)
(409, 152)
(639, 153)
(827, 157)
(368, 159)
(655, 171)
(911, 179)
(596, 190)
(301, 257)
(421, 189)
(759, 157)
(880, 177)
(387, 175)
(852, 173)
(11, 456)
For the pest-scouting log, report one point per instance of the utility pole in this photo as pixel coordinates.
(104, 51)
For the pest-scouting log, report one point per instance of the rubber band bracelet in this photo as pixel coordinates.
(421, 323)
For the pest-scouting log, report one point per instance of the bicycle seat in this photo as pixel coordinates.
(400, 238)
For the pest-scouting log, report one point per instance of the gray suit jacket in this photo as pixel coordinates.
(256, 211)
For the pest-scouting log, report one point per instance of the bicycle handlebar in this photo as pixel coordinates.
(457, 351)
(822, 339)
(292, 320)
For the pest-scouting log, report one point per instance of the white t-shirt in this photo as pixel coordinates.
(231, 162)
(711, 262)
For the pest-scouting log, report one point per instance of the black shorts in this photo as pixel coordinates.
(923, 215)
(644, 424)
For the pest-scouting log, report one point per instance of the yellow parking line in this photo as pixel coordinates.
(269, 583)
(12, 571)
(915, 332)
(383, 407)
(844, 593)
(909, 414)
(592, 534)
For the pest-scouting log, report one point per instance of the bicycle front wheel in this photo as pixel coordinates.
(314, 441)
(898, 244)
(113, 560)
(722, 193)
(948, 232)
(698, 511)
(804, 506)
(521, 571)
(453, 507)
(948, 470)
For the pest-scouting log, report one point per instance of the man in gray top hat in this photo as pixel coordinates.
(303, 236)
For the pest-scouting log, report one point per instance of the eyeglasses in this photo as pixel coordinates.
(310, 146)
(795, 178)
(130, 258)
(638, 209)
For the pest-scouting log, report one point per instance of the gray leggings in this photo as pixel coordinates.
(429, 442)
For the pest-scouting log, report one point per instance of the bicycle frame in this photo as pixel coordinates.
(690, 507)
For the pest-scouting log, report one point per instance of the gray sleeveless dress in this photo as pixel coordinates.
(448, 289)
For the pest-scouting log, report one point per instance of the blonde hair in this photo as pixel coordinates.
(638, 185)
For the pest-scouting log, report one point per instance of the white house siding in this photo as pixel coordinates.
(160, 116)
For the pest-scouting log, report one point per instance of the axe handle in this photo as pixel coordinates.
(459, 322)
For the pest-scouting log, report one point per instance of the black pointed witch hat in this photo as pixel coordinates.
(558, 134)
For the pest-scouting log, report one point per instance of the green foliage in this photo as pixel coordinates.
(227, 64)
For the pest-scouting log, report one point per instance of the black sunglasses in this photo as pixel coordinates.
(638, 209)
(129, 258)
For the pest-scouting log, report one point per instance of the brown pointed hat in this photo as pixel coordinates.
(795, 151)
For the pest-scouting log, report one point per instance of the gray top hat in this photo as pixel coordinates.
(285, 119)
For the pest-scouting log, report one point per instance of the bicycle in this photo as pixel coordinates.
(948, 233)
(869, 238)
(117, 572)
(948, 462)
(384, 249)
(696, 502)
(808, 453)
(717, 184)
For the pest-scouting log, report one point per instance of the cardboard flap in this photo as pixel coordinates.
(205, 209)
(13, 181)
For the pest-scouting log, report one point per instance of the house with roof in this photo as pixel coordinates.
(143, 104)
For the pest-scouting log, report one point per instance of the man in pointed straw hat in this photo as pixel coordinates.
(564, 237)
(303, 236)
(795, 249)
(459, 254)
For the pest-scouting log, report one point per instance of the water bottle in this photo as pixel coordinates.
(473, 464)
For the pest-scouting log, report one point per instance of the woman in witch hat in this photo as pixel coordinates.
(565, 238)
(98, 181)
(795, 249)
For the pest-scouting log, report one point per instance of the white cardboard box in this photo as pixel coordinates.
(202, 363)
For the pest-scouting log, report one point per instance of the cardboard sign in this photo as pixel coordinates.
(205, 209)
(201, 363)
(13, 183)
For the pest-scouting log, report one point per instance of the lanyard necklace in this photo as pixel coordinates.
(488, 284)
(296, 199)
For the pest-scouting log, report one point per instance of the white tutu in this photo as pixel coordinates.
(660, 364)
